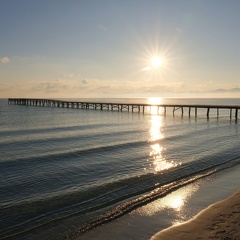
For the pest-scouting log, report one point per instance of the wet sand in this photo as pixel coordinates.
(219, 221)
(178, 207)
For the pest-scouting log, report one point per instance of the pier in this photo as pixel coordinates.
(133, 107)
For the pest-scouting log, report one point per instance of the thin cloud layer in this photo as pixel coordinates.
(82, 88)
(4, 60)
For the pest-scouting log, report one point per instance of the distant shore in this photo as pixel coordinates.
(219, 221)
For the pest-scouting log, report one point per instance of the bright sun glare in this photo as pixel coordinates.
(156, 62)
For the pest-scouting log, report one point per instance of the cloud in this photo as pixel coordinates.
(84, 81)
(221, 90)
(90, 87)
(60, 86)
(4, 60)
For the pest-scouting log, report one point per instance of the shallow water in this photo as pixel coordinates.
(62, 168)
(177, 207)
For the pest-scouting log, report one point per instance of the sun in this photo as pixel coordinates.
(156, 62)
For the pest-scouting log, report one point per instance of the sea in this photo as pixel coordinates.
(65, 171)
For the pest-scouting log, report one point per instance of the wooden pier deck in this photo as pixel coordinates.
(233, 110)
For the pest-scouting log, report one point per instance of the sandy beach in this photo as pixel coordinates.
(219, 221)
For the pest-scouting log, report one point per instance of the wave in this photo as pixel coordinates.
(155, 193)
(122, 196)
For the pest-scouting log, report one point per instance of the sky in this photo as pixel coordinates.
(119, 48)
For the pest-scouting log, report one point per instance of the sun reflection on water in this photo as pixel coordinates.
(177, 199)
(155, 102)
(156, 134)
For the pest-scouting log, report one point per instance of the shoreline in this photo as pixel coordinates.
(176, 208)
(219, 221)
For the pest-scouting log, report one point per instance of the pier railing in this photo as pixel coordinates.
(233, 110)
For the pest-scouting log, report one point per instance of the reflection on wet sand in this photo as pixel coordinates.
(174, 201)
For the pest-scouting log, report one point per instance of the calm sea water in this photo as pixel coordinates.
(64, 171)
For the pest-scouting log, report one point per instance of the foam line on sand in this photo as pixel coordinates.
(219, 221)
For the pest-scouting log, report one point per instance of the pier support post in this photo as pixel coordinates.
(236, 114)
(208, 112)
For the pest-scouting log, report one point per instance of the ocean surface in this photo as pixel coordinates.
(65, 171)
